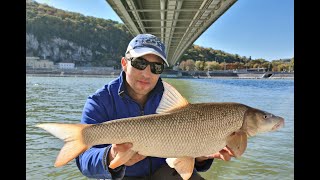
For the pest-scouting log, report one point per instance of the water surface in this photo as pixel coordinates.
(61, 99)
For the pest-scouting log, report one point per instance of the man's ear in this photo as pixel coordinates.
(124, 64)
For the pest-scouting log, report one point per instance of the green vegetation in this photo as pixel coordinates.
(71, 37)
(63, 36)
(203, 59)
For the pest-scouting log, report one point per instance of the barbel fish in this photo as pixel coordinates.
(179, 131)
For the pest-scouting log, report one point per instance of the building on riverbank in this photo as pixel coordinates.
(110, 71)
(37, 63)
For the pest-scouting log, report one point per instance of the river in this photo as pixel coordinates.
(61, 99)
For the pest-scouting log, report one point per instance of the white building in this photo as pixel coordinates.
(35, 63)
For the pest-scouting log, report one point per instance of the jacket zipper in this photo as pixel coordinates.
(150, 161)
(149, 158)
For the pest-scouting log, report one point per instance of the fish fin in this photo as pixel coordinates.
(183, 165)
(171, 99)
(71, 134)
(121, 158)
(237, 142)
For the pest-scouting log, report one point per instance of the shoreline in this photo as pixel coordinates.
(70, 75)
(102, 72)
(248, 76)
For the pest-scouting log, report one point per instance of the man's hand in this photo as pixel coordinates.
(224, 154)
(123, 148)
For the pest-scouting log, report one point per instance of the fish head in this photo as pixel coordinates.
(258, 121)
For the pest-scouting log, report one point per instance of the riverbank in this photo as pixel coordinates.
(165, 74)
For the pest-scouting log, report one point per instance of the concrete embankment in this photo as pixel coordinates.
(226, 74)
(270, 75)
(73, 72)
(166, 74)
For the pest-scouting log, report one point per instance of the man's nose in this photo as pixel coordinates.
(147, 71)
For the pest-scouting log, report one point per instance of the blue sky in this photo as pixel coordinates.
(256, 28)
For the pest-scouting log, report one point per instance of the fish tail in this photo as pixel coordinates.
(71, 134)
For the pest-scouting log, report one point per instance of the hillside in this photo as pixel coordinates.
(63, 36)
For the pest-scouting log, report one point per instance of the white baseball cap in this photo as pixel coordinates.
(144, 44)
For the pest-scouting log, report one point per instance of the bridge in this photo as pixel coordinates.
(178, 23)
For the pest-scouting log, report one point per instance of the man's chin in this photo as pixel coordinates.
(143, 91)
(143, 86)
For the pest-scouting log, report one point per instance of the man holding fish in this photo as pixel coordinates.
(136, 92)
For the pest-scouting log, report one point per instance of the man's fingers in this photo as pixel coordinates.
(136, 158)
(224, 155)
(229, 151)
(118, 148)
(122, 147)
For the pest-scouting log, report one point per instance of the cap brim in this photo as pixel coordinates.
(143, 51)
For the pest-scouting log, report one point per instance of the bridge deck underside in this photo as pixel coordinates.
(178, 23)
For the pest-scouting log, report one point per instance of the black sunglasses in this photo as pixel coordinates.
(140, 63)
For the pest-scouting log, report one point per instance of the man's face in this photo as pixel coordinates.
(141, 82)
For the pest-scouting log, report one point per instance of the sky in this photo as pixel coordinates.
(257, 28)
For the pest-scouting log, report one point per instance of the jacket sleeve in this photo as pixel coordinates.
(93, 162)
(204, 167)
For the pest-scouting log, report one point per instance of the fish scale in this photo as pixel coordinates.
(174, 134)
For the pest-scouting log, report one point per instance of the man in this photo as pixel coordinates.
(136, 92)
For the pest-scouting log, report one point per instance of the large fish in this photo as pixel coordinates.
(180, 131)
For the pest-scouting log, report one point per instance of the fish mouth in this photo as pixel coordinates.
(278, 125)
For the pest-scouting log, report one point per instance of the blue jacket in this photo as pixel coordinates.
(109, 103)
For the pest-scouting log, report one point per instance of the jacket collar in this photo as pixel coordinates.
(123, 90)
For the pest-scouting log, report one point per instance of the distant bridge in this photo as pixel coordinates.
(178, 23)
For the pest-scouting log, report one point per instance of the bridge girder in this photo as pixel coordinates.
(178, 23)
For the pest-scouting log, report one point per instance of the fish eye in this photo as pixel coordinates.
(267, 116)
